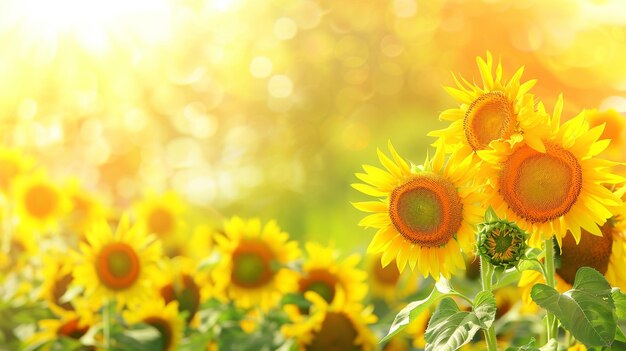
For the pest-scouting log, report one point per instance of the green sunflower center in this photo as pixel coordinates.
(427, 210)
(592, 251)
(388, 275)
(186, 292)
(164, 328)
(336, 334)
(540, 187)
(118, 266)
(320, 281)
(252, 264)
(490, 117)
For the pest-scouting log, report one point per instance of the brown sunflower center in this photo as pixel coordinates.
(59, 289)
(388, 275)
(164, 328)
(592, 251)
(490, 117)
(186, 292)
(160, 221)
(320, 281)
(336, 334)
(118, 266)
(427, 210)
(40, 201)
(72, 329)
(252, 264)
(540, 187)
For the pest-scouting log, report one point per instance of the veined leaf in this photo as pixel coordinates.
(587, 310)
(451, 328)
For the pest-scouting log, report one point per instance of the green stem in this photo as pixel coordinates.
(549, 274)
(486, 277)
(106, 316)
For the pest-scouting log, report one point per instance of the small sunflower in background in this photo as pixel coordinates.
(387, 283)
(17, 251)
(498, 110)
(12, 164)
(200, 246)
(604, 253)
(87, 207)
(323, 274)
(164, 318)
(336, 326)
(57, 280)
(182, 282)
(252, 270)
(39, 202)
(557, 188)
(160, 215)
(68, 326)
(118, 266)
(425, 215)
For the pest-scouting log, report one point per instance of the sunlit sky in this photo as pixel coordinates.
(268, 108)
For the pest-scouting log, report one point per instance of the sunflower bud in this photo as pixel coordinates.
(501, 242)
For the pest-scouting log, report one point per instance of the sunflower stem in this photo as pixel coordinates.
(549, 273)
(106, 316)
(486, 277)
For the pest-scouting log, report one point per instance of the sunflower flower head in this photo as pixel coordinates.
(501, 242)
(424, 215)
(498, 110)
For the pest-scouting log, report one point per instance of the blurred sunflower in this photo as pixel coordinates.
(323, 274)
(12, 164)
(498, 111)
(87, 208)
(252, 269)
(605, 253)
(426, 216)
(387, 283)
(57, 279)
(21, 248)
(336, 326)
(69, 325)
(558, 188)
(164, 318)
(39, 202)
(118, 266)
(160, 215)
(201, 243)
(181, 282)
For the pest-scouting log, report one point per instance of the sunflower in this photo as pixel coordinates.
(40, 203)
(425, 215)
(117, 266)
(57, 279)
(498, 111)
(21, 248)
(387, 283)
(69, 325)
(556, 188)
(160, 215)
(336, 326)
(252, 269)
(604, 253)
(12, 165)
(87, 208)
(183, 283)
(323, 274)
(164, 318)
(201, 243)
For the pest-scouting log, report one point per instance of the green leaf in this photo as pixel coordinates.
(410, 312)
(451, 328)
(532, 264)
(552, 345)
(587, 310)
(619, 298)
(491, 216)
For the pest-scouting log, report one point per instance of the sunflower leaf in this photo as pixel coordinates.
(451, 328)
(550, 346)
(619, 298)
(410, 312)
(587, 310)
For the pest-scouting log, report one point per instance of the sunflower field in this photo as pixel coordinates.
(312, 175)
